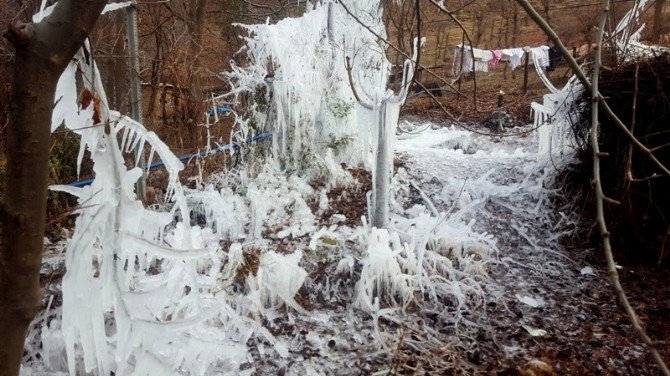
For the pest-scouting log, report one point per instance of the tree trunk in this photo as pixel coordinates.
(196, 18)
(43, 50)
(25, 205)
(658, 21)
(195, 27)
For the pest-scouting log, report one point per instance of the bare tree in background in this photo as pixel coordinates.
(659, 24)
(195, 23)
(42, 51)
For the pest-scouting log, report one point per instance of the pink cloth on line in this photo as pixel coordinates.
(497, 55)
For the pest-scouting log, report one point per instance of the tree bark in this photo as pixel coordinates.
(195, 108)
(658, 20)
(195, 27)
(43, 50)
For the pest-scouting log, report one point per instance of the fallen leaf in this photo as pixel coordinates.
(534, 332)
(530, 301)
(587, 270)
(85, 98)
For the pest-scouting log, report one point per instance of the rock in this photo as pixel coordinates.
(499, 118)
(151, 195)
(536, 368)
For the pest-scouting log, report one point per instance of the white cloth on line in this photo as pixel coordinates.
(463, 60)
(483, 55)
(540, 55)
(482, 66)
(515, 55)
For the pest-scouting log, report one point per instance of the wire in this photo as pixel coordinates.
(521, 11)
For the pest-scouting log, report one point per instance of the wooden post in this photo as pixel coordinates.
(525, 71)
(437, 44)
(460, 70)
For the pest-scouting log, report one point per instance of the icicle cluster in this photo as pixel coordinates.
(149, 293)
(141, 295)
(299, 64)
(553, 120)
(135, 295)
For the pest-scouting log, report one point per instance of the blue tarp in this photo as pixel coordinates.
(220, 110)
(218, 150)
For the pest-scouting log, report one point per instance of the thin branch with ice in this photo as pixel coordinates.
(600, 199)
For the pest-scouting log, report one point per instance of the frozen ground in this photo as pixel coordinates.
(541, 302)
(535, 283)
(496, 291)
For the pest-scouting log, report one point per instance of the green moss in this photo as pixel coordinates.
(63, 157)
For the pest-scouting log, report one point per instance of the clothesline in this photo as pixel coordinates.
(484, 60)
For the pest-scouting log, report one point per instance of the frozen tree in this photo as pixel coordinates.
(300, 64)
(43, 50)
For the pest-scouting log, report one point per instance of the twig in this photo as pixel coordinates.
(629, 160)
(418, 54)
(662, 251)
(353, 87)
(451, 208)
(425, 199)
(600, 198)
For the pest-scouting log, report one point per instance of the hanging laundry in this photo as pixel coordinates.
(479, 54)
(481, 66)
(486, 55)
(463, 60)
(555, 58)
(485, 59)
(540, 58)
(514, 56)
(540, 55)
(497, 55)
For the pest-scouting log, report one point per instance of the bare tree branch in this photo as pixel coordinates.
(353, 86)
(600, 199)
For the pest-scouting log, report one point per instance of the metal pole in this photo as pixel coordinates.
(383, 166)
(136, 97)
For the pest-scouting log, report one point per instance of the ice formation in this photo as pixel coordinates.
(148, 292)
(299, 64)
(140, 295)
(145, 290)
(309, 104)
(626, 36)
(136, 294)
(625, 39)
(553, 121)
